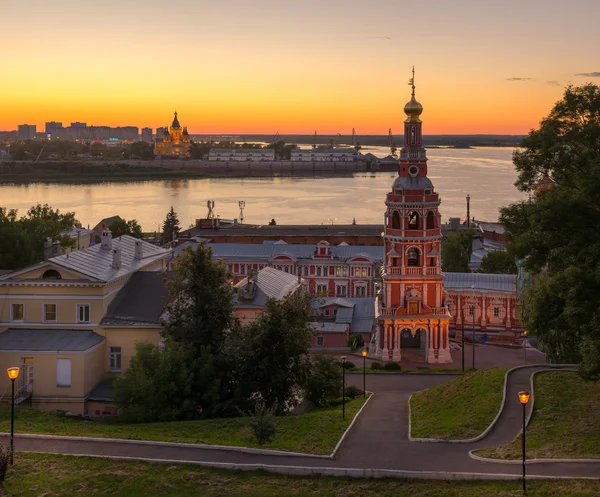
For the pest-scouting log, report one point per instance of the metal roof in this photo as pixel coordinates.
(480, 282)
(361, 314)
(49, 340)
(140, 302)
(95, 262)
(326, 327)
(358, 230)
(276, 284)
(266, 251)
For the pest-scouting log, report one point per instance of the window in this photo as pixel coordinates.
(114, 359)
(430, 220)
(318, 270)
(413, 221)
(396, 220)
(364, 272)
(413, 257)
(322, 289)
(16, 312)
(327, 312)
(345, 271)
(52, 274)
(243, 269)
(320, 341)
(63, 372)
(338, 271)
(305, 270)
(361, 291)
(83, 313)
(49, 312)
(471, 310)
(496, 312)
(341, 291)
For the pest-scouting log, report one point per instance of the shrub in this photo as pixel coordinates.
(263, 422)
(348, 365)
(392, 366)
(352, 392)
(355, 341)
(376, 365)
(323, 380)
(4, 459)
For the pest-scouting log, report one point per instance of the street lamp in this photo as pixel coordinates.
(524, 398)
(343, 387)
(364, 355)
(13, 374)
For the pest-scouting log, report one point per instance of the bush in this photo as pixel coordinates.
(4, 459)
(323, 380)
(263, 422)
(352, 392)
(376, 365)
(392, 366)
(347, 365)
(355, 341)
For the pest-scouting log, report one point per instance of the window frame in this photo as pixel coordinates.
(78, 308)
(320, 341)
(70, 376)
(44, 313)
(12, 312)
(118, 356)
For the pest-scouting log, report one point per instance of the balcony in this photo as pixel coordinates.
(400, 311)
(410, 271)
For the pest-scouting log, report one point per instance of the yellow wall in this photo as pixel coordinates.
(126, 338)
(38, 272)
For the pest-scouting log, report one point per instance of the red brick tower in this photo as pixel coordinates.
(413, 312)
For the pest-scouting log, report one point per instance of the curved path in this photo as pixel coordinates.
(378, 440)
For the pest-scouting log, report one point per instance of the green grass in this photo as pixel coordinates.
(52, 475)
(564, 423)
(316, 432)
(459, 409)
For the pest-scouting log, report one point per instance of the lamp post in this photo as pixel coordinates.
(364, 355)
(13, 374)
(343, 387)
(524, 398)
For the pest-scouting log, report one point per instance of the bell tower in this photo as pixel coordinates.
(412, 310)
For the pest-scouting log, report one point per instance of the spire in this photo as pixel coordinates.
(412, 82)
(175, 124)
(413, 109)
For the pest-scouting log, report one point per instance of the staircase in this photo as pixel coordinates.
(23, 393)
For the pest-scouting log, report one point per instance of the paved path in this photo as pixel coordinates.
(378, 440)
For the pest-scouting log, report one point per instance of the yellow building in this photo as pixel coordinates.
(72, 320)
(173, 143)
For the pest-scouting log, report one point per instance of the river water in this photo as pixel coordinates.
(487, 174)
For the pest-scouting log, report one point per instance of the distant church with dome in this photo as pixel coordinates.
(173, 143)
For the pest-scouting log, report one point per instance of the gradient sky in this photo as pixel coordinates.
(251, 66)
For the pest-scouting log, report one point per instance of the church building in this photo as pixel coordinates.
(173, 143)
(413, 311)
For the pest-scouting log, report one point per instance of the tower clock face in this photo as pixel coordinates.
(413, 170)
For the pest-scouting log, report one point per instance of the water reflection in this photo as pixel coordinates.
(487, 174)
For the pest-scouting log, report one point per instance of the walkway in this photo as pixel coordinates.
(378, 440)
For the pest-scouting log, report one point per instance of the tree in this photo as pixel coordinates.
(202, 311)
(498, 262)
(456, 251)
(272, 222)
(356, 341)
(323, 379)
(271, 353)
(263, 422)
(15, 243)
(121, 227)
(171, 227)
(556, 235)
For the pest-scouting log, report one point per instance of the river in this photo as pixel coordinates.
(487, 174)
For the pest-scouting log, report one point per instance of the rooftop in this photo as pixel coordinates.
(481, 282)
(270, 284)
(358, 312)
(49, 340)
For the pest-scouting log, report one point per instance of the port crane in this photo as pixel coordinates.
(393, 149)
(355, 143)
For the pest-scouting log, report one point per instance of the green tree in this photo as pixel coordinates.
(171, 226)
(121, 227)
(556, 233)
(457, 248)
(263, 422)
(271, 353)
(355, 341)
(202, 311)
(199, 150)
(42, 223)
(498, 262)
(323, 381)
(15, 244)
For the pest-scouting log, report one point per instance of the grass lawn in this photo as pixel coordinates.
(564, 422)
(54, 475)
(459, 409)
(316, 432)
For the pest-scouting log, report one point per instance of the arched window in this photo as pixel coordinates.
(430, 220)
(413, 257)
(413, 221)
(52, 274)
(396, 220)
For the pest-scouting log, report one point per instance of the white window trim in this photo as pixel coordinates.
(12, 317)
(116, 370)
(58, 383)
(322, 340)
(77, 307)
(44, 312)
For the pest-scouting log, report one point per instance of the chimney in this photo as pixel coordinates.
(106, 240)
(139, 250)
(116, 262)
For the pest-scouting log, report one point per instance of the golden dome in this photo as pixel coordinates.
(413, 109)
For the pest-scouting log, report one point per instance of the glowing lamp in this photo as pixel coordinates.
(364, 353)
(12, 373)
(524, 397)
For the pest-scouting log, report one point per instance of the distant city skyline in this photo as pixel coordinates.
(261, 67)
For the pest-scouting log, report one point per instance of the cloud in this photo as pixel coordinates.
(519, 79)
(595, 74)
(380, 37)
(553, 83)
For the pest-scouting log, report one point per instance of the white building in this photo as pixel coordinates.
(339, 154)
(241, 154)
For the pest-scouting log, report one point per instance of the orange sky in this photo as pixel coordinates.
(262, 66)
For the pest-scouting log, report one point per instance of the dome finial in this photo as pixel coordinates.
(412, 82)
(413, 109)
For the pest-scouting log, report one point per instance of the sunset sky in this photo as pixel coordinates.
(251, 66)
